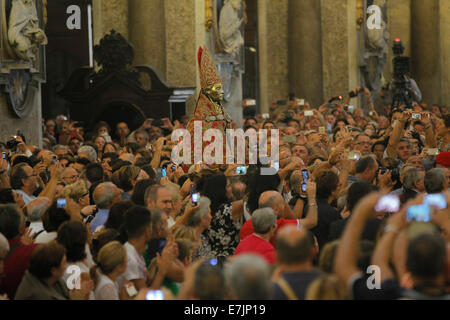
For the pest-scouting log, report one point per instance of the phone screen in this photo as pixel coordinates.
(4, 155)
(305, 175)
(388, 203)
(276, 165)
(241, 170)
(309, 113)
(154, 295)
(437, 200)
(354, 156)
(304, 187)
(61, 203)
(131, 290)
(419, 213)
(163, 173)
(195, 197)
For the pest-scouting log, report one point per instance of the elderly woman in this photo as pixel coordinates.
(196, 221)
(79, 193)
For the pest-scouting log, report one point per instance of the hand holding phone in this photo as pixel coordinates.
(131, 289)
(388, 203)
(195, 197)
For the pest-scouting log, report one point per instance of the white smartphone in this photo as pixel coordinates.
(437, 200)
(309, 113)
(265, 116)
(388, 203)
(251, 102)
(131, 290)
(301, 102)
(433, 152)
(354, 156)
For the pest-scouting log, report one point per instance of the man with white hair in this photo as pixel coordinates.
(105, 196)
(248, 277)
(264, 223)
(36, 210)
(87, 152)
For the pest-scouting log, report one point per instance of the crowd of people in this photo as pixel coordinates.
(107, 215)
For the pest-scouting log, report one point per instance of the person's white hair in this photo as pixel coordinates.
(202, 212)
(92, 154)
(4, 244)
(248, 276)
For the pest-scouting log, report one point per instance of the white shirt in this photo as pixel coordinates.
(136, 268)
(170, 222)
(106, 289)
(36, 227)
(46, 237)
(82, 265)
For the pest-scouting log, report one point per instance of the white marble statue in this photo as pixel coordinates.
(379, 37)
(24, 34)
(230, 27)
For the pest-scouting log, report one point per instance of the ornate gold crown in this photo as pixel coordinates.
(209, 75)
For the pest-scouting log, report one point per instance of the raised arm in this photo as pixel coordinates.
(312, 218)
(397, 134)
(346, 263)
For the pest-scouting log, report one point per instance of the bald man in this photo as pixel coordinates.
(295, 252)
(275, 201)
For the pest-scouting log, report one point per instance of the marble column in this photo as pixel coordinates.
(110, 14)
(273, 52)
(148, 34)
(305, 50)
(444, 56)
(430, 49)
(339, 47)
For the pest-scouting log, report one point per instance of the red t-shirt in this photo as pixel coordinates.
(254, 244)
(247, 228)
(15, 267)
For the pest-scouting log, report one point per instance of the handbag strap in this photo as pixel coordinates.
(286, 288)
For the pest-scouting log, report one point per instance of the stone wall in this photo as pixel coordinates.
(31, 126)
(148, 34)
(305, 50)
(273, 51)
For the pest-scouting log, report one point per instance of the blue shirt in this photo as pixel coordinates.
(100, 219)
(26, 198)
